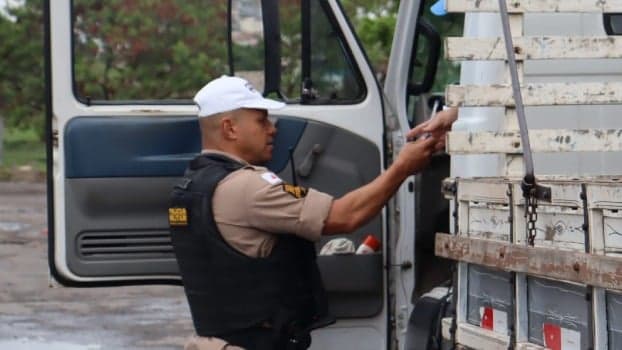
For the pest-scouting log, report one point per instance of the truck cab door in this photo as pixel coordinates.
(418, 210)
(122, 127)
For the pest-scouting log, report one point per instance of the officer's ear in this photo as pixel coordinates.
(229, 126)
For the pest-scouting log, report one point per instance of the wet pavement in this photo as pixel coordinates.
(37, 313)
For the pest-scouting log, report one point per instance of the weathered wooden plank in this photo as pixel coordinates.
(594, 270)
(522, 6)
(535, 94)
(478, 338)
(528, 346)
(542, 141)
(474, 337)
(482, 190)
(533, 48)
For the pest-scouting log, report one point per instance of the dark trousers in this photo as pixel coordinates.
(258, 338)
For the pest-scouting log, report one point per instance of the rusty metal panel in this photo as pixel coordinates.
(551, 94)
(605, 192)
(523, 6)
(604, 198)
(483, 208)
(560, 222)
(595, 270)
(490, 190)
(560, 227)
(542, 141)
(559, 307)
(533, 48)
(489, 220)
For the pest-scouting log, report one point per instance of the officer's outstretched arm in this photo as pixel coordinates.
(357, 207)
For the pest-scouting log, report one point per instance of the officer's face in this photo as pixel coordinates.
(255, 135)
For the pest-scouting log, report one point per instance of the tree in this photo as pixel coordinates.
(374, 22)
(22, 97)
(147, 49)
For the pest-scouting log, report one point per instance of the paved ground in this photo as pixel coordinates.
(37, 314)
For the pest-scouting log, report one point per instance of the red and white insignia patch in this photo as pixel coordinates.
(271, 178)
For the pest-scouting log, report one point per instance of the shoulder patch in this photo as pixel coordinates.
(177, 216)
(296, 191)
(271, 178)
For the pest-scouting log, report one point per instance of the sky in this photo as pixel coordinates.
(4, 3)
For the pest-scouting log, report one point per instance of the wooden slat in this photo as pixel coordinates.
(594, 270)
(522, 6)
(535, 94)
(469, 335)
(474, 337)
(533, 48)
(542, 141)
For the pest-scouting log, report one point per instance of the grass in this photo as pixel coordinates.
(21, 147)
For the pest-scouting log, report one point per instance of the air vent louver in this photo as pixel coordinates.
(125, 245)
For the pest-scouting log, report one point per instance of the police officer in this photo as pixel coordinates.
(244, 239)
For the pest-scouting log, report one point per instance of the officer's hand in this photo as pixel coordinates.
(416, 155)
(437, 127)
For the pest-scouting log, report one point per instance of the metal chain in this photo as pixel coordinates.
(531, 204)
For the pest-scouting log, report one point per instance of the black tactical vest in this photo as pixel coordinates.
(227, 290)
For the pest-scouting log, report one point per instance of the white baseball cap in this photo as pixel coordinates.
(229, 93)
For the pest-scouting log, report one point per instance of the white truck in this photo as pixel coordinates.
(114, 152)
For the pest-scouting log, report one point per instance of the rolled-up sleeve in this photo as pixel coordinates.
(282, 208)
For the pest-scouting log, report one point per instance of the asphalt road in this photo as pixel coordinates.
(37, 313)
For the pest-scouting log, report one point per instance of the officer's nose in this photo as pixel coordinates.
(272, 129)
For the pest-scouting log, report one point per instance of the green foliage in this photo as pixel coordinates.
(374, 23)
(21, 67)
(23, 147)
(146, 49)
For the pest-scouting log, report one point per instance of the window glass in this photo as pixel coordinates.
(147, 50)
(291, 48)
(334, 77)
(249, 50)
(447, 72)
(248, 41)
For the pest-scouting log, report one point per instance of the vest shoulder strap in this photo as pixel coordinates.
(204, 160)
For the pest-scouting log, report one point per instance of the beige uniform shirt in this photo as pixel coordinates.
(251, 207)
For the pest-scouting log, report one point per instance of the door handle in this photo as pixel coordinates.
(304, 170)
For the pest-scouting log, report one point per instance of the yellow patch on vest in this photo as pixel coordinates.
(177, 216)
(296, 191)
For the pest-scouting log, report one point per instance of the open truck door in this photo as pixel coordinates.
(122, 128)
(420, 211)
(120, 135)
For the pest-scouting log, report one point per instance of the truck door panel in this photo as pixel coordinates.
(354, 282)
(119, 171)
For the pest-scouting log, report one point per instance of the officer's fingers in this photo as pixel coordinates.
(427, 143)
(440, 145)
(417, 130)
(417, 148)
